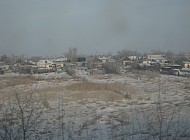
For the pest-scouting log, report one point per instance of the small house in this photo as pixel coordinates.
(157, 58)
(125, 61)
(81, 61)
(186, 64)
(94, 62)
(46, 64)
(133, 57)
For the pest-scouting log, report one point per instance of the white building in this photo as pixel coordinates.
(157, 58)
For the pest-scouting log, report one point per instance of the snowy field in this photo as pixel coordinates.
(136, 106)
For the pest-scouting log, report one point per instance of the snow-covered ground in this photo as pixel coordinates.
(71, 117)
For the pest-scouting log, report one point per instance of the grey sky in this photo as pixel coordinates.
(50, 27)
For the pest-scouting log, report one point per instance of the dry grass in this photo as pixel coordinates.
(20, 81)
(152, 75)
(99, 91)
(93, 95)
(174, 80)
(187, 86)
(85, 91)
(86, 86)
(52, 90)
(145, 73)
(14, 81)
(49, 93)
(72, 91)
(123, 117)
(136, 74)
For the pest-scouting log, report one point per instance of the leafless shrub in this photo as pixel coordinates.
(70, 72)
(159, 121)
(164, 123)
(111, 68)
(20, 116)
(127, 96)
(45, 103)
(71, 54)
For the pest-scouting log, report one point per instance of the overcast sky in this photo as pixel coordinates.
(50, 27)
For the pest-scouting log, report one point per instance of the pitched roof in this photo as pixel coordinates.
(125, 59)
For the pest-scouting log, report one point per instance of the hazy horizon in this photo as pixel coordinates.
(49, 28)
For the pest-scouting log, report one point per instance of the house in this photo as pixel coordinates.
(46, 64)
(94, 62)
(70, 66)
(26, 67)
(180, 60)
(142, 66)
(81, 61)
(133, 57)
(112, 60)
(97, 63)
(59, 63)
(2, 63)
(6, 68)
(157, 58)
(30, 62)
(147, 62)
(173, 69)
(104, 59)
(186, 64)
(125, 61)
(61, 59)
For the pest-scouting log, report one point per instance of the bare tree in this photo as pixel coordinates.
(165, 122)
(71, 54)
(7, 121)
(124, 53)
(20, 116)
(170, 56)
(157, 52)
(61, 114)
(160, 121)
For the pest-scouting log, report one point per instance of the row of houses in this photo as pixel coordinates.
(148, 62)
(151, 62)
(43, 65)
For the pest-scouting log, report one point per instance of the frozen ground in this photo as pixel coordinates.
(101, 114)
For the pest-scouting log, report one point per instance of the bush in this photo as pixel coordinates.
(71, 72)
(111, 68)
